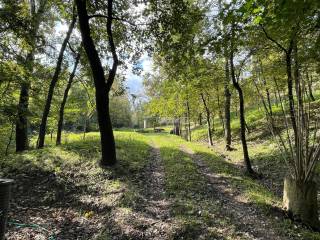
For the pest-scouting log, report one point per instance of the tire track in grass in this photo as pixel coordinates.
(249, 220)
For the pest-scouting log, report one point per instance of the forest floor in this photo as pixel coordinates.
(162, 188)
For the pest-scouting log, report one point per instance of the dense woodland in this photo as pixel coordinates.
(221, 142)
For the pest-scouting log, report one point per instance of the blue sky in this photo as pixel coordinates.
(135, 82)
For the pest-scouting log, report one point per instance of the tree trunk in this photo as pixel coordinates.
(300, 200)
(299, 91)
(188, 118)
(23, 105)
(55, 78)
(290, 93)
(266, 88)
(102, 87)
(64, 100)
(177, 126)
(227, 104)
(208, 120)
(242, 118)
(200, 119)
(22, 119)
(10, 139)
(309, 83)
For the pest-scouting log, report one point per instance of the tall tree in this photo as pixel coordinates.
(23, 105)
(54, 80)
(64, 100)
(102, 86)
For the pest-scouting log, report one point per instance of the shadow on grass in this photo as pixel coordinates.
(63, 189)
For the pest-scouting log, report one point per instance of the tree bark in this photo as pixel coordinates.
(64, 100)
(300, 201)
(208, 119)
(241, 116)
(227, 104)
(55, 78)
(22, 119)
(102, 87)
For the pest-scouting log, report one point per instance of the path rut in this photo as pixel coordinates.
(249, 221)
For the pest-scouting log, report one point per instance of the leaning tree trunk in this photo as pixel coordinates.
(300, 200)
(55, 78)
(208, 119)
(242, 119)
(64, 100)
(227, 104)
(102, 86)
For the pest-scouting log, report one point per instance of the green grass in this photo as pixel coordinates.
(192, 203)
(120, 189)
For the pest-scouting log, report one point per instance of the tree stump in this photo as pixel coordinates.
(300, 201)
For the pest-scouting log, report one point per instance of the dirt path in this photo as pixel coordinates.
(150, 216)
(157, 205)
(250, 222)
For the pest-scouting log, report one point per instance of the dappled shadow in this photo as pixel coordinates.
(229, 187)
(72, 199)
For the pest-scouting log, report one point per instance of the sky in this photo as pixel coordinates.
(134, 82)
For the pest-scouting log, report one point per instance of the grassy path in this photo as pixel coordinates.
(249, 220)
(162, 188)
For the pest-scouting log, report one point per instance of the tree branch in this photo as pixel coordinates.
(273, 40)
(113, 18)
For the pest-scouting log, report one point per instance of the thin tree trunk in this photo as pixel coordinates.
(227, 104)
(220, 112)
(208, 119)
(213, 122)
(10, 139)
(102, 87)
(266, 88)
(288, 55)
(188, 118)
(276, 98)
(290, 92)
(241, 116)
(177, 126)
(55, 78)
(309, 83)
(64, 100)
(85, 128)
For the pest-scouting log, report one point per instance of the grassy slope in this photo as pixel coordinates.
(67, 182)
(264, 155)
